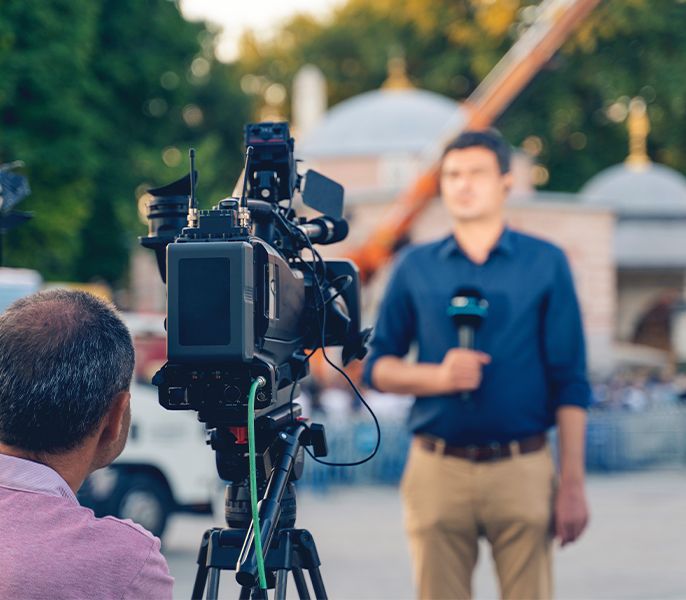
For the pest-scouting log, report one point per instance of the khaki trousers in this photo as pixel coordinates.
(450, 502)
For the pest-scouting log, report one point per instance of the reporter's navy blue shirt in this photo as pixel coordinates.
(532, 331)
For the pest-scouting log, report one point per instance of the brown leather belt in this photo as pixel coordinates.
(494, 451)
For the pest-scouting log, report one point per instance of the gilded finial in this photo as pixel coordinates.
(397, 75)
(639, 128)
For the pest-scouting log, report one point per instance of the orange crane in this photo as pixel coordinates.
(555, 22)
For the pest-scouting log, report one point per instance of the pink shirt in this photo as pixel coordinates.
(52, 548)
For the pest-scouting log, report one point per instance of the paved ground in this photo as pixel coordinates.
(634, 548)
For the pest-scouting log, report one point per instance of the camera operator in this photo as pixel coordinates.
(66, 361)
(479, 464)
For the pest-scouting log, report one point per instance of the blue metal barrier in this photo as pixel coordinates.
(615, 441)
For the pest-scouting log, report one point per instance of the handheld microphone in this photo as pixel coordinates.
(468, 309)
(325, 230)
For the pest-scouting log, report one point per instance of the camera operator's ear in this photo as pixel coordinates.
(118, 418)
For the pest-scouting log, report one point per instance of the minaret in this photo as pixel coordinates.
(639, 128)
(309, 99)
(397, 74)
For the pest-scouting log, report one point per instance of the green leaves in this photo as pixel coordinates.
(99, 99)
(102, 99)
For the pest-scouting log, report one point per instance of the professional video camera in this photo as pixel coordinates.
(245, 311)
(242, 301)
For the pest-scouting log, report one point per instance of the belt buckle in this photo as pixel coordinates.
(436, 445)
(472, 452)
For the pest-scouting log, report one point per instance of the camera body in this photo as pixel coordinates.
(242, 302)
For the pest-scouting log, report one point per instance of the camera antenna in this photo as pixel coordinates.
(243, 211)
(192, 203)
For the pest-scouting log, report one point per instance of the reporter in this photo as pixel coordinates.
(483, 468)
(66, 361)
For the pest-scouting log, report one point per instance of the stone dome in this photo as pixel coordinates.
(650, 189)
(397, 121)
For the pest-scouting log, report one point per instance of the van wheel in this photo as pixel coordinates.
(144, 500)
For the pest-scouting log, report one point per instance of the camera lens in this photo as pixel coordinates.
(167, 216)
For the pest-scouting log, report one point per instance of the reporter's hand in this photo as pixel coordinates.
(571, 512)
(460, 370)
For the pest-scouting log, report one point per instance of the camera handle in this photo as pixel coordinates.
(289, 550)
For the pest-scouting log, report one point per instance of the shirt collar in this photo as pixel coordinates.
(26, 475)
(505, 244)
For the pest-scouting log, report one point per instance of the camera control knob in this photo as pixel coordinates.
(232, 394)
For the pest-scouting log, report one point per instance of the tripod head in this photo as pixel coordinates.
(231, 448)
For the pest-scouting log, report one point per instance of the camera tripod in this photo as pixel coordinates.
(285, 549)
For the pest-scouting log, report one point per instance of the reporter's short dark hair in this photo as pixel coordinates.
(64, 355)
(491, 139)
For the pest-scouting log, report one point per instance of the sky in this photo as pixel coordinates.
(235, 16)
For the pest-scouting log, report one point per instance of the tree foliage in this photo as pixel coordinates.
(572, 109)
(101, 100)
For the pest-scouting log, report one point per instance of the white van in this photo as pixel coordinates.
(17, 283)
(165, 467)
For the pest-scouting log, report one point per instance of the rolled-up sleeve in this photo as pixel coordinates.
(396, 322)
(563, 341)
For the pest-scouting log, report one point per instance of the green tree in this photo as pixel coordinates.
(45, 121)
(101, 100)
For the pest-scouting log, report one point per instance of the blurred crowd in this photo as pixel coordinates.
(639, 390)
(634, 390)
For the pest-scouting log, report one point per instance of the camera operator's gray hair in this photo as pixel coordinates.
(64, 355)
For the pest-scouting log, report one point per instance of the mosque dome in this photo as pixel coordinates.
(397, 119)
(638, 186)
(655, 189)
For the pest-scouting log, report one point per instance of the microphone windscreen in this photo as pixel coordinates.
(468, 307)
(468, 292)
(340, 230)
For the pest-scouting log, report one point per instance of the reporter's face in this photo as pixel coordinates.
(472, 186)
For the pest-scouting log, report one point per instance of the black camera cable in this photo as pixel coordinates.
(355, 390)
(321, 312)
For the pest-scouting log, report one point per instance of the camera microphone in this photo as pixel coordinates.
(468, 309)
(325, 230)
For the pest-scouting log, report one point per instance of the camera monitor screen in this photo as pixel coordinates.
(204, 302)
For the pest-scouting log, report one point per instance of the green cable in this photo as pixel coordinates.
(253, 484)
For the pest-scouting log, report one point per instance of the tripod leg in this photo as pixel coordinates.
(281, 584)
(245, 593)
(300, 583)
(213, 584)
(199, 587)
(318, 584)
(201, 575)
(259, 594)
